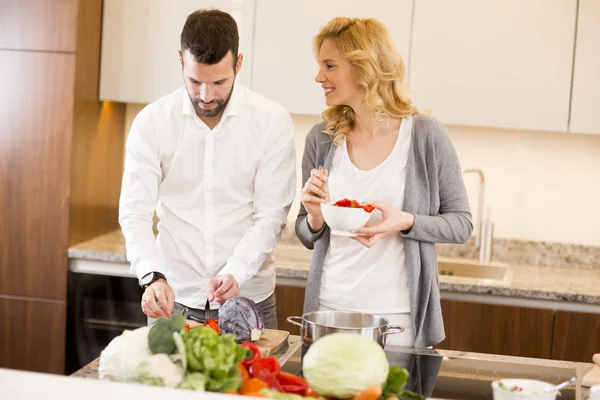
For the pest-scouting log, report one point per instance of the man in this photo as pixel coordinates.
(217, 163)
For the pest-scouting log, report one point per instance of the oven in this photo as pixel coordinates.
(99, 308)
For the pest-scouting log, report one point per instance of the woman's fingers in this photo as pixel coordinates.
(312, 188)
(320, 175)
(311, 199)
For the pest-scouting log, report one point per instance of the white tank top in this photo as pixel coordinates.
(355, 277)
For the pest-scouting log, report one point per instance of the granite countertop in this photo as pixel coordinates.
(568, 282)
(90, 371)
(456, 364)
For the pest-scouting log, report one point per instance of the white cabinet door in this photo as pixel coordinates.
(140, 39)
(284, 65)
(494, 63)
(586, 79)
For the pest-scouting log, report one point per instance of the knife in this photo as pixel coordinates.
(183, 310)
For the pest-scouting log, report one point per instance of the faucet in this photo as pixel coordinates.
(483, 228)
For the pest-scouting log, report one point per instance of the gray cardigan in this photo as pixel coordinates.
(434, 193)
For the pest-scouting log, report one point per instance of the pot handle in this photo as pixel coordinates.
(297, 321)
(391, 329)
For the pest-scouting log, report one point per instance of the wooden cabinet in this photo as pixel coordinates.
(576, 336)
(284, 67)
(497, 329)
(586, 78)
(34, 171)
(501, 64)
(140, 40)
(290, 302)
(61, 153)
(32, 335)
(48, 25)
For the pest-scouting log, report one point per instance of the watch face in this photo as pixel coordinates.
(146, 279)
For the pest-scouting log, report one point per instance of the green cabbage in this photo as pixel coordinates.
(342, 365)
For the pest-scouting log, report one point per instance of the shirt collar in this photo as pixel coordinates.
(232, 108)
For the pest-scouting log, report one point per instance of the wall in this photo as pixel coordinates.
(541, 186)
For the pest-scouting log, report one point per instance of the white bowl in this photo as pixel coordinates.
(341, 220)
(531, 390)
(595, 392)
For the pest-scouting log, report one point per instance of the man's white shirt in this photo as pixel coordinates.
(222, 196)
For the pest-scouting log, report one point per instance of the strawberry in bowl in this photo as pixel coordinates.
(345, 215)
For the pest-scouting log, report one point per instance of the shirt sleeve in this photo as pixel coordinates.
(139, 195)
(274, 190)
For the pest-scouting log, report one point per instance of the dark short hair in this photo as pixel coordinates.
(209, 35)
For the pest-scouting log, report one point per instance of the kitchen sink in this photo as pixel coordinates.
(456, 270)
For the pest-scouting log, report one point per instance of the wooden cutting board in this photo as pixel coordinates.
(271, 341)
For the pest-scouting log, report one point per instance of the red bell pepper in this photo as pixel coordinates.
(291, 383)
(267, 369)
(255, 354)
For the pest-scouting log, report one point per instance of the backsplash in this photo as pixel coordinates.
(509, 251)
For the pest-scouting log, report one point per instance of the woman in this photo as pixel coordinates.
(374, 147)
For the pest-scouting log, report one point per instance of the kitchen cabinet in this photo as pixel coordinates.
(46, 25)
(290, 302)
(497, 329)
(500, 64)
(586, 79)
(33, 153)
(284, 66)
(576, 336)
(60, 168)
(140, 42)
(32, 334)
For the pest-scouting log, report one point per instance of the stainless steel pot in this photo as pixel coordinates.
(315, 325)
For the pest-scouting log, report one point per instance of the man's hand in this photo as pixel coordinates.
(222, 288)
(161, 291)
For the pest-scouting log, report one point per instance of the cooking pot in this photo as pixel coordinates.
(315, 325)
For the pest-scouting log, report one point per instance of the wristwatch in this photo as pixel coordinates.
(150, 278)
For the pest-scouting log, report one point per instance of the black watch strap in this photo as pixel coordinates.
(150, 278)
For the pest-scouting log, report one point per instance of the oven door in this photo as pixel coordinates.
(100, 308)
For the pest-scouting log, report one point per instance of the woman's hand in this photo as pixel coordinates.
(314, 192)
(393, 221)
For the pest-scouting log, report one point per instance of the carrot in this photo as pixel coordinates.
(370, 393)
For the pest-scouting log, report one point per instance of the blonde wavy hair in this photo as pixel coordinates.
(379, 67)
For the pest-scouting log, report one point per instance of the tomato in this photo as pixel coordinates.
(255, 353)
(265, 364)
(343, 203)
(252, 385)
(243, 372)
(214, 325)
(354, 204)
(310, 392)
(187, 327)
(291, 383)
(368, 208)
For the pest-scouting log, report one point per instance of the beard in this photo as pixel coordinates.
(219, 105)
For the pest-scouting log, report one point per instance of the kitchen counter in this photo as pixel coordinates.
(446, 374)
(90, 371)
(556, 286)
